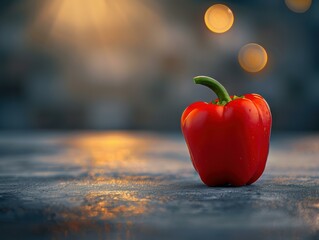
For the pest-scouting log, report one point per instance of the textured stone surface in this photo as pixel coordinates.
(121, 185)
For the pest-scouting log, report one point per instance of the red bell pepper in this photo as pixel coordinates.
(228, 139)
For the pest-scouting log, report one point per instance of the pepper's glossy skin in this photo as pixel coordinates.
(229, 143)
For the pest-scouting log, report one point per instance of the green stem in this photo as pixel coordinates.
(214, 85)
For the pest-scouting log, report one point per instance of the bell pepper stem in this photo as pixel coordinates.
(214, 85)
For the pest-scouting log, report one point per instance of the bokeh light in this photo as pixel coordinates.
(252, 57)
(298, 6)
(219, 18)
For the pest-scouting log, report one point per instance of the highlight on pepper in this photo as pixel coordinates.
(227, 138)
(219, 18)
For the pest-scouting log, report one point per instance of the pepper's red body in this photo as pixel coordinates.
(229, 143)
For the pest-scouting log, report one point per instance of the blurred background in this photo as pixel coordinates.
(129, 64)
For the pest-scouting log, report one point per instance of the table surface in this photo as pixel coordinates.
(139, 185)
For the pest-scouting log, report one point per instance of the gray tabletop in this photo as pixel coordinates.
(134, 185)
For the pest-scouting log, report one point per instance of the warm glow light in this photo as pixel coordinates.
(121, 152)
(98, 40)
(105, 205)
(219, 18)
(299, 6)
(101, 206)
(114, 164)
(252, 57)
(92, 23)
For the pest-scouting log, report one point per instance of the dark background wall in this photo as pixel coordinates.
(129, 64)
